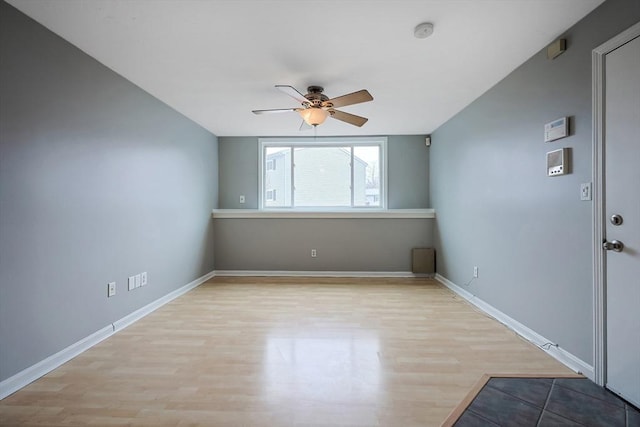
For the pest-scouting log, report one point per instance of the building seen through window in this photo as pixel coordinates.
(322, 175)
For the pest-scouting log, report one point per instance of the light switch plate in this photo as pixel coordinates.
(144, 279)
(132, 283)
(585, 191)
(138, 280)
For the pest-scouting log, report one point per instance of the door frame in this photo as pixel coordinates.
(598, 213)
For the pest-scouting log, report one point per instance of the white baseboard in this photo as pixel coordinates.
(25, 377)
(287, 273)
(140, 313)
(32, 373)
(561, 355)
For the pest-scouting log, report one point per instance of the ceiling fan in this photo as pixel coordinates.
(316, 106)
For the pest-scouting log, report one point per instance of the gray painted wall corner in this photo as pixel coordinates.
(100, 181)
(529, 234)
(342, 245)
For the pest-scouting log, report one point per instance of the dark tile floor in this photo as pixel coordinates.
(545, 402)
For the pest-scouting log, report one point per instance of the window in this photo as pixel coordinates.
(328, 173)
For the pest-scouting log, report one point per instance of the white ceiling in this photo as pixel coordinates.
(216, 60)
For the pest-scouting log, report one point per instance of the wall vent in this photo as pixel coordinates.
(423, 261)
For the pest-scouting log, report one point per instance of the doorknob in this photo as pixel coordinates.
(615, 245)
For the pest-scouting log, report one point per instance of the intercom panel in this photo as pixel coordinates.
(558, 162)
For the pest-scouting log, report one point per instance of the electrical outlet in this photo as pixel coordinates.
(138, 280)
(313, 253)
(143, 279)
(475, 271)
(111, 289)
(241, 199)
(132, 283)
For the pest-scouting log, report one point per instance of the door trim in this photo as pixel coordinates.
(598, 214)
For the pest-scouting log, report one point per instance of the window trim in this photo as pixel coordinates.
(294, 142)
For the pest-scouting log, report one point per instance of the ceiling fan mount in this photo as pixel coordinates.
(316, 106)
(315, 95)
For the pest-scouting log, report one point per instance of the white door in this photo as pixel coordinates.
(622, 198)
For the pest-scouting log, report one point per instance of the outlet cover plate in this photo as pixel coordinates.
(111, 289)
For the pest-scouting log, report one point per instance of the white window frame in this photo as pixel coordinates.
(264, 143)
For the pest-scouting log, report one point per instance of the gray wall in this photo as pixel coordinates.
(342, 244)
(98, 181)
(529, 234)
(238, 172)
(407, 157)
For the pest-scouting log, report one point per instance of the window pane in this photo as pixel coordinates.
(366, 175)
(277, 177)
(322, 176)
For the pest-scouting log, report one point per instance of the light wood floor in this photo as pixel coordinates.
(284, 352)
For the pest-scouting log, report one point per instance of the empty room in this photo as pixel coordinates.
(319, 213)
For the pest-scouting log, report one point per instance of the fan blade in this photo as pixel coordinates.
(277, 110)
(293, 92)
(350, 99)
(352, 119)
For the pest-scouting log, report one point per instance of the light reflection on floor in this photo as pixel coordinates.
(330, 367)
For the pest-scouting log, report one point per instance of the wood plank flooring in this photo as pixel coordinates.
(284, 352)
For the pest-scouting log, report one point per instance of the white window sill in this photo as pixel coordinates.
(281, 213)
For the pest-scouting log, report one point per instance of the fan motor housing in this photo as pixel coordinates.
(315, 95)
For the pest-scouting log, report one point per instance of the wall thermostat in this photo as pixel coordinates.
(558, 162)
(556, 129)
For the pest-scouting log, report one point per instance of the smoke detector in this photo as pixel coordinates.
(424, 30)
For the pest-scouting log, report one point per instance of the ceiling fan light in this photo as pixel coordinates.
(314, 116)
